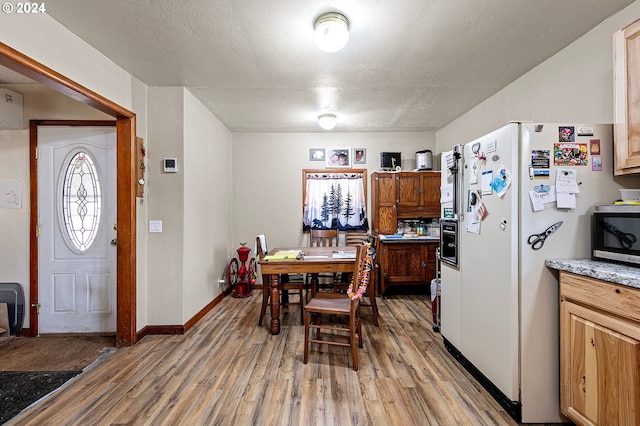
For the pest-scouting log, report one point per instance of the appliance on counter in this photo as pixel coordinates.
(390, 160)
(615, 233)
(500, 308)
(424, 160)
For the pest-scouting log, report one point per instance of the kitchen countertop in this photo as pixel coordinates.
(407, 239)
(606, 271)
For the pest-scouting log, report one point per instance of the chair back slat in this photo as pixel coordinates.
(355, 238)
(323, 237)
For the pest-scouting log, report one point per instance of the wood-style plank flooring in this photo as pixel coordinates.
(53, 353)
(228, 371)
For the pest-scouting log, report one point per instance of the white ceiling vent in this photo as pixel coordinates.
(11, 110)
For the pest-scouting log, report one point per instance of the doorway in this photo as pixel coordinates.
(126, 195)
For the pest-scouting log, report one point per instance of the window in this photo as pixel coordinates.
(81, 201)
(335, 200)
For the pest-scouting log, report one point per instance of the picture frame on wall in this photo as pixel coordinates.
(316, 154)
(359, 156)
(338, 157)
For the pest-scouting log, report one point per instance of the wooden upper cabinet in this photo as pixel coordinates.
(626, 59)
(403, 195)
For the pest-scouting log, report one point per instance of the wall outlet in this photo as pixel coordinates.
(221, 283)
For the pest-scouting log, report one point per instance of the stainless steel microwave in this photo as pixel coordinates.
(615, 233)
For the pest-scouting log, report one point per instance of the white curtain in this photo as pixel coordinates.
(335, 200)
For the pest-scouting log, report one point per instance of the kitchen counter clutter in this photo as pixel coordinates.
(606, 271)
(405, 238)
(599, 341)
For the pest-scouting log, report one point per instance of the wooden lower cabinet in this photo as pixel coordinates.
(407, 263)
(599, 351)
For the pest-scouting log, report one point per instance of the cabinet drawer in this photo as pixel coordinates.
(617, 299)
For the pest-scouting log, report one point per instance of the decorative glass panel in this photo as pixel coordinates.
(81, 201)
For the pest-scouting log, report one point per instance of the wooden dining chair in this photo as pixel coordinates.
(323, 238)
(285, 283)
(354, 239)
(323, 308)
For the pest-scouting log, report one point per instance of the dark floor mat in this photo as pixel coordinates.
(20, 389)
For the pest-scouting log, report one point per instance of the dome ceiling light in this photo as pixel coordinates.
(327, 121)
(331, 31)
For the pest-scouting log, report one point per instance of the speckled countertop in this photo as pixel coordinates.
(605, 271)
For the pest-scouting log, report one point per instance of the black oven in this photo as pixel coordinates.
(449, 241)
(615, 233)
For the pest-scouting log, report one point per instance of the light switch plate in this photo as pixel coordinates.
(155, 226)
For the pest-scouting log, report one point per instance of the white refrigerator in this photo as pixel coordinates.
(499, 308)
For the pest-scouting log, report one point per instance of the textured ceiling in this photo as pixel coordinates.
(410, 65)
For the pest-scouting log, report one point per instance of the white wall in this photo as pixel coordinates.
(190, 254)
(165, 202)
(267, 177)
(207, 205)
(575, 85)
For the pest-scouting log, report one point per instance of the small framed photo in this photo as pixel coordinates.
(316, 154)
(359, 156)
(338, 157)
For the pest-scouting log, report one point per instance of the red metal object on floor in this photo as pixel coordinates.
(246, 273)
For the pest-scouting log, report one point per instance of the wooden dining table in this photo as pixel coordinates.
(315, 260)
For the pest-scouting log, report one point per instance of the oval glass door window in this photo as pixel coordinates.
(81, 201)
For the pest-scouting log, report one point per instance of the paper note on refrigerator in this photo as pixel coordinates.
(502, 181)
(566, 201)
(566, 181)
(539, 199)
(446, 193)
(487, 177)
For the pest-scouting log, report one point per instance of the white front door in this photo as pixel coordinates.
(77, 207)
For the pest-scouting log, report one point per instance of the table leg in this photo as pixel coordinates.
(275, 304)
(314, 284)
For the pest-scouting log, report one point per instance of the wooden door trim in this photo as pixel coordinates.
(125, 186)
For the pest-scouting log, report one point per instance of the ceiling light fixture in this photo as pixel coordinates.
(327, 121)
(331, 31)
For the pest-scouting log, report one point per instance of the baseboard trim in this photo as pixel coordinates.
(180, 329)
(513, 408)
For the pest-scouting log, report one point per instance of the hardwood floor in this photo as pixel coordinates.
(53, 353)
(228, 371)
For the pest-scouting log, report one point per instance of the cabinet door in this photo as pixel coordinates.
(384, 210)
(627, 99)
(599, 359)
(430, 192)
(430, 257)
(409, 190)
(404, 263)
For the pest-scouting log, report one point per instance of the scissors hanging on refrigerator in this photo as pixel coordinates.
(537, 240)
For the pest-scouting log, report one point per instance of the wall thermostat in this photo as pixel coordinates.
(170, 165)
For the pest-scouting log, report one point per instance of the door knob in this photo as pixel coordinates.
(114, 242)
